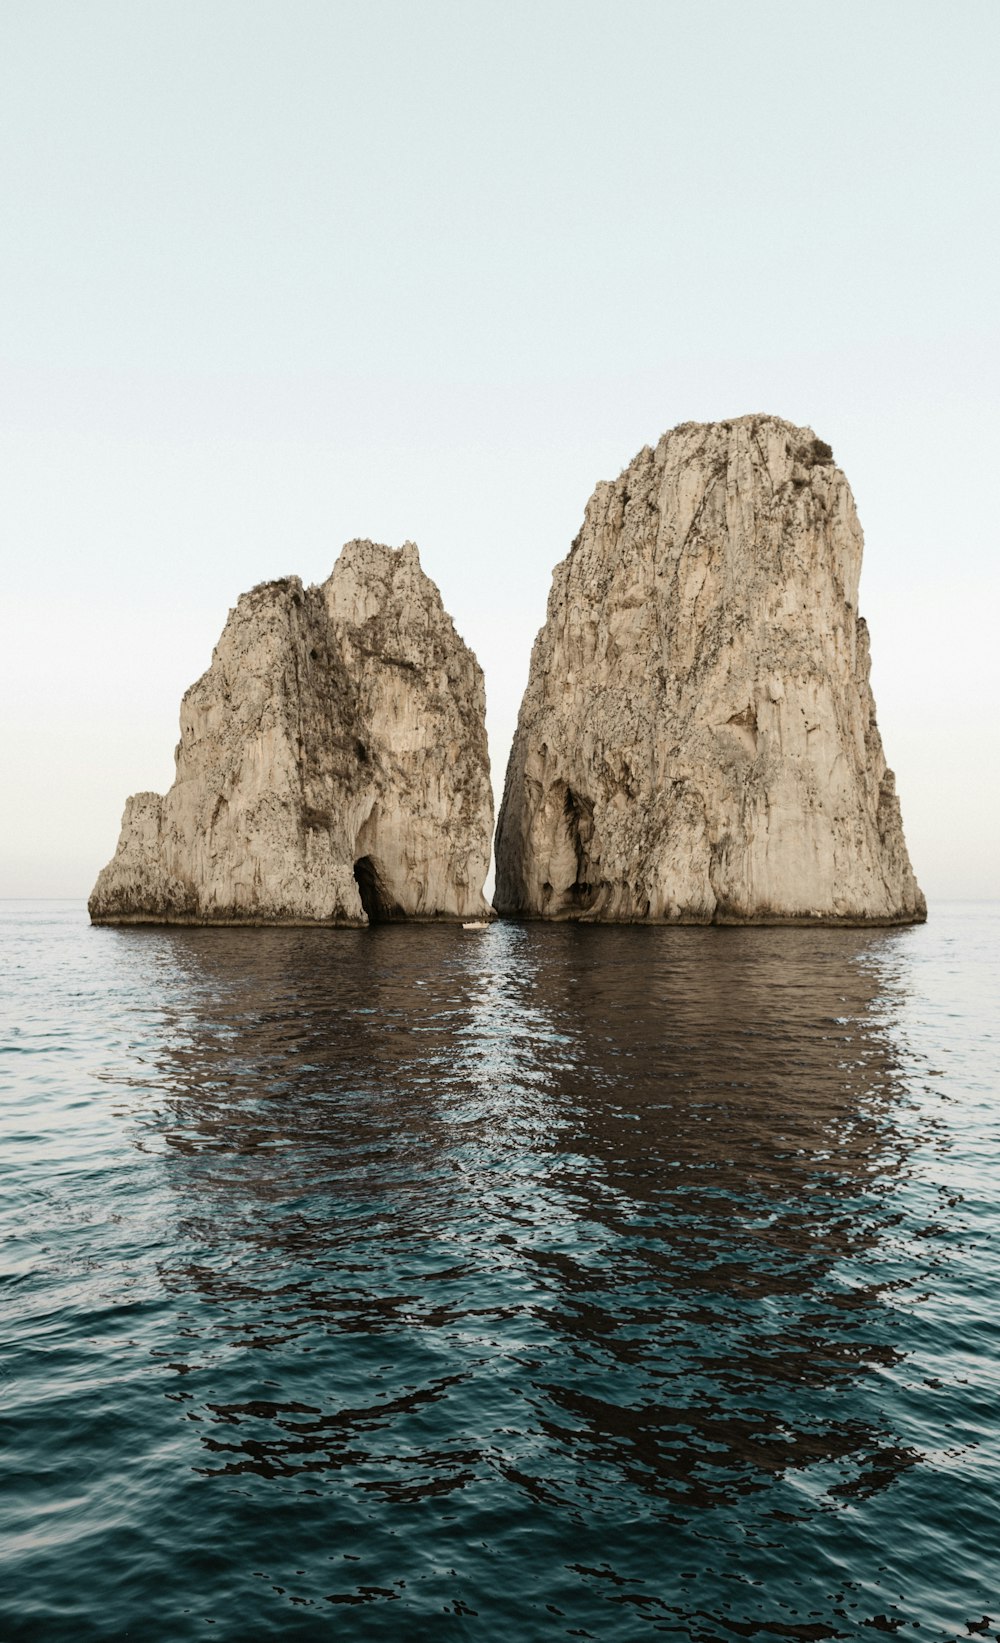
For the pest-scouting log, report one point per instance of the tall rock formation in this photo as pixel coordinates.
(697, 742)
(332, 766)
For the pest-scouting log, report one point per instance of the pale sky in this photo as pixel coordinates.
(275, 275)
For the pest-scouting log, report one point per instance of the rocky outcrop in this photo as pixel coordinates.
(332, 766)
(697, 742)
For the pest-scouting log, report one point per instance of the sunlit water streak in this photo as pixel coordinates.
(529, 1283)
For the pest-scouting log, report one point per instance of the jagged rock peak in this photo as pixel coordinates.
(332, 766)
(697, 742)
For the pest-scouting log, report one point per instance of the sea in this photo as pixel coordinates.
(533, 1282)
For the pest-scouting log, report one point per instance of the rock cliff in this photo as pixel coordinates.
(332, 766)
(697, 742)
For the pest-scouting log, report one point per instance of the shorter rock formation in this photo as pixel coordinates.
(332, 766)
(697, 742)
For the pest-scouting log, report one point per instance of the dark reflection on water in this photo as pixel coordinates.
(536, 1282)
(647, 1155)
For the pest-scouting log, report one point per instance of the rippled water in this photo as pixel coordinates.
(531, 1283)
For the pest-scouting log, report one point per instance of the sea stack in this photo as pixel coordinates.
(332, 766)
(697, 742)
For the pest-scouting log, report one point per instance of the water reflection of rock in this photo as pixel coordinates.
(736, 1108)
(618, 1194)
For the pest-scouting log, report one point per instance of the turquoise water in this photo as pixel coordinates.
(530, 1283)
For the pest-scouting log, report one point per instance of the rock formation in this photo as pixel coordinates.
(332, 766)
(697, 742)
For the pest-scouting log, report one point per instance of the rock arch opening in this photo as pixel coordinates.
(376, 899)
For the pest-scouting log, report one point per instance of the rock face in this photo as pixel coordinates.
(332, 766)
(697, 742)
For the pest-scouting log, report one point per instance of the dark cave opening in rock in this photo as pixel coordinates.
(578, 814)
(375, 898)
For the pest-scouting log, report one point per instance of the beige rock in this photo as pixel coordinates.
(697, 742)
(332, 765)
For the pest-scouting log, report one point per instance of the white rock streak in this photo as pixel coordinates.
(697, 742)
(332, 765)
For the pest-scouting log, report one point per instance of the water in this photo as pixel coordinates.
(532, 1283)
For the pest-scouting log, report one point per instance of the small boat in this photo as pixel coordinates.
(477, 924)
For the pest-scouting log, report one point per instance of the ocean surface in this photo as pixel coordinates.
(531, 1283)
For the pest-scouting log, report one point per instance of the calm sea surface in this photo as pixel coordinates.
(531, 1283)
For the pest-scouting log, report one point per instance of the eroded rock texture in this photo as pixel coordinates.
(332, 766)
(697, 741)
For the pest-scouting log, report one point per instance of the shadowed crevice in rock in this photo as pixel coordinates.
(697, 742)
(376, 899)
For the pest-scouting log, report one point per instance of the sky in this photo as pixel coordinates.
(277, 275)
